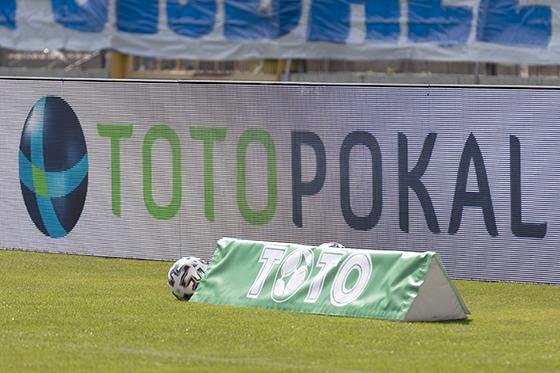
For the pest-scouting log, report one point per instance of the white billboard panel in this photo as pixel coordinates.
(164, 169)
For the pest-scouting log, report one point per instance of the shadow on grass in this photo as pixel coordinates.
(458, 322)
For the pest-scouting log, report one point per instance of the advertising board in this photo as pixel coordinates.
(163, 169)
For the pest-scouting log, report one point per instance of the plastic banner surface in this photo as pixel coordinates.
(161, 170)
(323, 280)
(507, 31)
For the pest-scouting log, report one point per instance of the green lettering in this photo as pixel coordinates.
(260, 136)
(171, 209)
(208, 136)
(115, 132)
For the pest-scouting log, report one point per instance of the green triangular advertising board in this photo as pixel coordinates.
(391, 285)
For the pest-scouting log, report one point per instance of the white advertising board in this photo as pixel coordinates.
(164, 169)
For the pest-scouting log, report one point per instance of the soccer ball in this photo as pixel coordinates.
(184, 276)
(331, 245)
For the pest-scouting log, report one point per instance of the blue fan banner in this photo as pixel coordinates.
(507, 31)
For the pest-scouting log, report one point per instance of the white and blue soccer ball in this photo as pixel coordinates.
(185, 275)
(331, 245)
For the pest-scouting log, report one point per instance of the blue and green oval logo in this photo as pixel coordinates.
(53, 166)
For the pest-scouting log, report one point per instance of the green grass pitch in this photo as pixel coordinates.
(75, 313)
